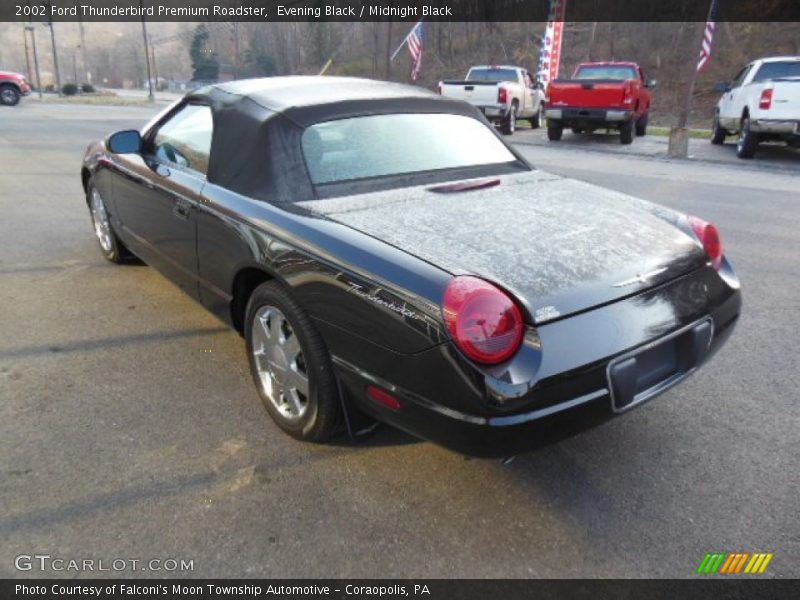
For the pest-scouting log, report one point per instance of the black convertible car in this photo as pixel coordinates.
(385, 253)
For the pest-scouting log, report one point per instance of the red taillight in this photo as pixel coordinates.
(766, 99)
(383, 397)
(483, 321)
(502, 95)
(709, 237)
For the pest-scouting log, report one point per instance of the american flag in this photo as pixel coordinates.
(414, 41)
(708, 36)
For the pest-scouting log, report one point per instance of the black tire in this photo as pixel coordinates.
(509, 123)
(747, 143)
(641, 125)
(538, 118)
(9, 95)
(577, 130)
(111, 247)
(718, 134)
(555, 129)
(322, 415)
(626, 132)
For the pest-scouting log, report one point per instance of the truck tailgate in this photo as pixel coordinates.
(478, 93)
(586, 93)
(785, 100)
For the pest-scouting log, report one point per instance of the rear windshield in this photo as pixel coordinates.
(395, 144)
(777, 70)
(495, 75)
(606, 72)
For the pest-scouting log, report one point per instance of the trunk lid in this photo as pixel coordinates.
(560, 246)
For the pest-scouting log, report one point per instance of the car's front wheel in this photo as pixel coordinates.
(290, 365)
(9, 95)
(110, 245)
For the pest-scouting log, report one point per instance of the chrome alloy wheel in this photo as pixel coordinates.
(8, 96)
(102, 228)
(279, 362)
(744, 130)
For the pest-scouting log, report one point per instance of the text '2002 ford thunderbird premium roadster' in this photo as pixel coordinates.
(385, 253)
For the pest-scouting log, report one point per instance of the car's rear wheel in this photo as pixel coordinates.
(110, 245)
(509, 123)
(641, 125)
(748, 141)
(555, 129)
(9, 95)
(626, 132)
(290, 365)
(718, 134)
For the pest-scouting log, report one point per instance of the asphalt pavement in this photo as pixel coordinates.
(130, 429)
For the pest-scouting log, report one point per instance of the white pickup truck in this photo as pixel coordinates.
(503, 93)
(762, 103)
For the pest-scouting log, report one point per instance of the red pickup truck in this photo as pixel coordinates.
(600, 95)
(12, 87)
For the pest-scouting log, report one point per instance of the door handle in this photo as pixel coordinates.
(181, 209)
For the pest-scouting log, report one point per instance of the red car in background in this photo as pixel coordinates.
(12, 87)
(600, 95)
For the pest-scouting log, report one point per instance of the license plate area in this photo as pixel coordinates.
(641, 374)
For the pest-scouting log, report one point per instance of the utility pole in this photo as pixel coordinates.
(153, 56)
(150, 95)
(55, 54)
(388, 63)
(84, 64)
(75, 67)
(236, 50)
(32, 29)
(27, 56)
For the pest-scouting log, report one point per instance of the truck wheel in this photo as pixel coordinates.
(626, 132)
(537, 118)
(555, 129)
(748, 141)
(641, 125)
(9, 95)
(509, 123)
(718, 134)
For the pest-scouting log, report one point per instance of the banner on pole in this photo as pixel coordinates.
(550, 55)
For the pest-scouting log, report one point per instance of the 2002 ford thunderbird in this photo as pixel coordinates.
(385, 253)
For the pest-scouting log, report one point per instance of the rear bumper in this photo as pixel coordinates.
(588, 116)
(588, 378)
(494, 112)
(779, 126)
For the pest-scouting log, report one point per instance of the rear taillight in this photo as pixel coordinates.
(483, 321)
(709, 237)
(766, 99)
(502, 95)
(440, 89)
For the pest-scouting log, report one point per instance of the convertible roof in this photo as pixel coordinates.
(281, 93)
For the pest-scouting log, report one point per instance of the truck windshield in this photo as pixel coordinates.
(394, 144)
(778, 70)
(606, 72)
(492, 75)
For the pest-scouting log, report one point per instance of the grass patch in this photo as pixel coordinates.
(97, 100)
(701, 134)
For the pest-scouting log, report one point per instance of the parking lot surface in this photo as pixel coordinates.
(129, 427)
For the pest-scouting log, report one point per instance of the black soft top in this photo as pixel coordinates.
(258, 123)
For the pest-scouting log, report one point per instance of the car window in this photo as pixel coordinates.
(737, 81)
(185, 139)
(606, 72)
(778, 70)
(394, 144)
(492, 75)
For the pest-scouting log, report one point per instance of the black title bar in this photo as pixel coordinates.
(396, 10)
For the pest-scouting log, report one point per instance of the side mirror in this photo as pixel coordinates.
(128, 141)
(722, 87)
(650, 83)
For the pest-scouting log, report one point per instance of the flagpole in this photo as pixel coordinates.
(678, 146)
(405, 39)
